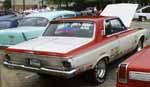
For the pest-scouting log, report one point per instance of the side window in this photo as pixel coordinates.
(146, 10)
(42, 22)
(113, 26)
(108, 27)
(68, 16)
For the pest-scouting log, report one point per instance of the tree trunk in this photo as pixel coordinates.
(67, 4)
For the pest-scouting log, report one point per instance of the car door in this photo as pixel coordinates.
(126, 40)
(146, 12)
(114, 45)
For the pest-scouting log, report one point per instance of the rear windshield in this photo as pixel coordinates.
(71, 29)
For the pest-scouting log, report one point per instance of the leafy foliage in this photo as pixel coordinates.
(7, 4)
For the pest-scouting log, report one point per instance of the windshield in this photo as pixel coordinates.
(70, 29)
(5, 24)
(34, 21)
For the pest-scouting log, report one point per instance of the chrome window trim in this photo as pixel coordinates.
(142, 76)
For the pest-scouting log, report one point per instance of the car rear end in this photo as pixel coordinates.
(135, 71)
(34, 62)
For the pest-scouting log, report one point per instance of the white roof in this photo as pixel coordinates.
(50, 14)
(124, 11)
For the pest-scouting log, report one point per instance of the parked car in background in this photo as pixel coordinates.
(31, 26)
(135, 71)
(7, 14)
(143, 13)
(6, 23)
(75, 45)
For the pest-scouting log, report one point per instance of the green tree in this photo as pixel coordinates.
(146, 2)
(7, 4)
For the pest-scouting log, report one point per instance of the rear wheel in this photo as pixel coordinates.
(142, 18)
(98, 74)
(140, 45)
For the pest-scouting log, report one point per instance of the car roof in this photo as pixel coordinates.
(11, 18)
(141, 8)
(87, 18)
(51, 14)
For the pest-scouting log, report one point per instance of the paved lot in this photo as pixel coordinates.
(18, 78)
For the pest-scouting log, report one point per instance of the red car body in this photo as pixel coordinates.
(135, 71)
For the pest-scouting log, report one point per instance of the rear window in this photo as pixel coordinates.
(71, 29)
(34, 21)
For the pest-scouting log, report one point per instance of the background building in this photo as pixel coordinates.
(1, 3)
(24, 4)
(77, 5)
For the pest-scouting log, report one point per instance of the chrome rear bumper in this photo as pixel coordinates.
(66, 74)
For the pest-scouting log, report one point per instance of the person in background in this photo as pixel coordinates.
(98, 10)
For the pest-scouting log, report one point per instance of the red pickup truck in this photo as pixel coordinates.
(135, 71)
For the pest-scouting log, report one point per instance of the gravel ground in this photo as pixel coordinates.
(18, 78)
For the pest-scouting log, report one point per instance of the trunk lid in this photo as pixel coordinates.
(53, 44)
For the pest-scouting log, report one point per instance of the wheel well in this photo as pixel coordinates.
(142, 16)
(106, 59)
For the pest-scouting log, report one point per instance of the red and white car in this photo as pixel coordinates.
(135, 71)
(74, 45)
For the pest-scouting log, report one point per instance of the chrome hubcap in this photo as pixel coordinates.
(139, 46)
(101, 69)
(143, 19)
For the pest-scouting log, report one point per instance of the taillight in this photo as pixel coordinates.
(7, 58)
(122, 73)
(67, 65)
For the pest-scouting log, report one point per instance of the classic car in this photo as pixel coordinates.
(74, 45)
(143, 13)
(6, 23)
(135, 71)
(6, 14)
(31, 26)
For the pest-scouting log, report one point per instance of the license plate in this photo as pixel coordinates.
(35, 62)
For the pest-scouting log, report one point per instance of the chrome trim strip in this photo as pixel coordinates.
(142, 76)
(44, 70)
(26, 53)
(24, 36)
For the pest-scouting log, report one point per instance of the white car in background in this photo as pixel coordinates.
(143, 13)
